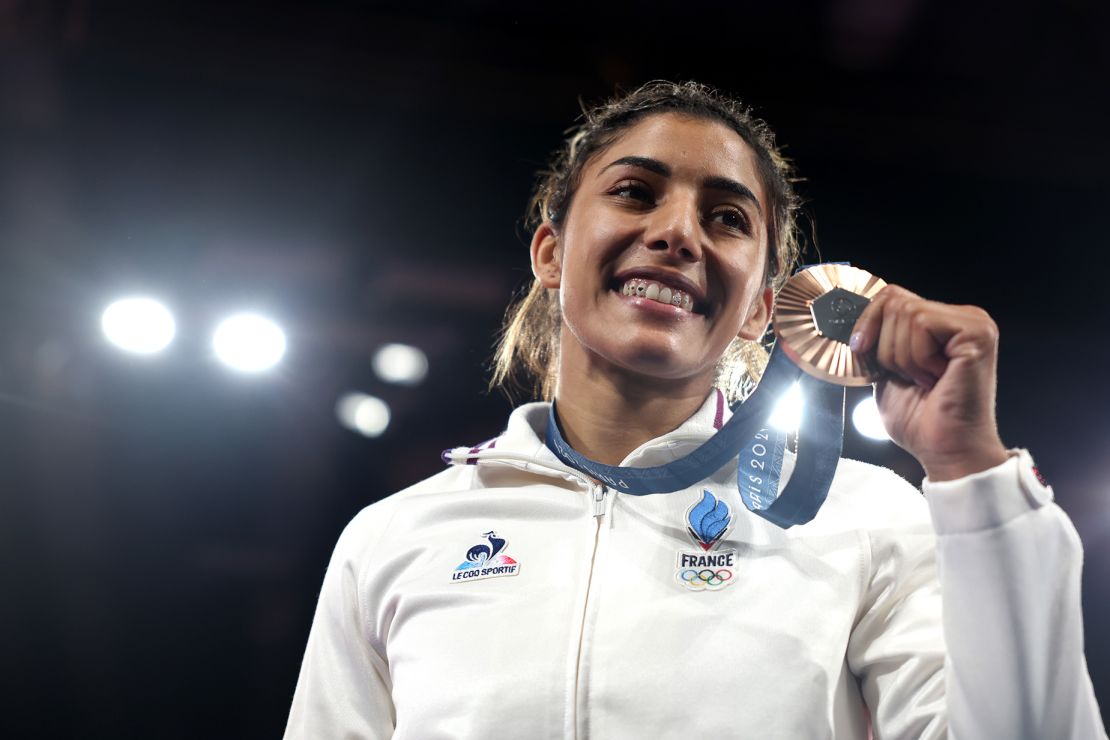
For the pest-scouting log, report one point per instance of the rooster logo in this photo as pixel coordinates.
(482, 553)
(486, 554)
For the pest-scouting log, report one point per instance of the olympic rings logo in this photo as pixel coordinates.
(704, 578)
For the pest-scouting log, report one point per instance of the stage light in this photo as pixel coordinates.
(401, 364)
(249, 342)
(865, 417)
(140, 325)
(787, 414)
(366, 415)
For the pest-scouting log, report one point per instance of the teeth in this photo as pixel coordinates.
(654, 291)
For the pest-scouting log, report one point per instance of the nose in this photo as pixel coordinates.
(675, 227)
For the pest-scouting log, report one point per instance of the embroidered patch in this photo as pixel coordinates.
(707, 523)
(708, 520)
(700, 571)
(486, 560)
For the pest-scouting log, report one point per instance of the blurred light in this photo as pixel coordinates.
(367, 415)
(140, 325)
(249, 342)
(51, 358)
(787, 416)
(867, 420)
(400, 363)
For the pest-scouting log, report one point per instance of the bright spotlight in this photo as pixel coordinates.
(366, 415)
(867, 420)
(400, 363)
(249, 342)
(787, 415)
(140, 325)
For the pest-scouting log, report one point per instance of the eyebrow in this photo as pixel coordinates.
(713, 183)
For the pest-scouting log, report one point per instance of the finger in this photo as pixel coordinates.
(927, 343)
(866, 329)
(923, 347)
(903, 356)
(977, 330)
(886, 349)
(901, 313)
(913, 335)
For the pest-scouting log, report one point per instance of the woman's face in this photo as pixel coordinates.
(660, 261)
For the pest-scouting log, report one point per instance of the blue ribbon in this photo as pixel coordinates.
(761, 450)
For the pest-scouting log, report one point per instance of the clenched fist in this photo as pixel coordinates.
(937, 398)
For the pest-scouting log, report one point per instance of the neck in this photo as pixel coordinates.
(607, 412)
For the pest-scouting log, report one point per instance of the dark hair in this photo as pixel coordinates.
(527, 351)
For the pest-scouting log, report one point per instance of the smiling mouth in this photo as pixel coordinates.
(653, 290)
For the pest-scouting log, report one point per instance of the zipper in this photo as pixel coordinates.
(599, 500)
(589, 610)
(577, 728)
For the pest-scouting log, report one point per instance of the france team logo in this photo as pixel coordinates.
(707, 522)
(486, 560)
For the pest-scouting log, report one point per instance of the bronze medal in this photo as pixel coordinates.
(814, 315)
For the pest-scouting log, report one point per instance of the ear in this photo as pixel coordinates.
(756, 323)
(546, 258)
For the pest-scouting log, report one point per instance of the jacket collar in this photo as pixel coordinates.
(527, 424)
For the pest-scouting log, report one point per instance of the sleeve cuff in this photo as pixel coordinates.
(987, 499)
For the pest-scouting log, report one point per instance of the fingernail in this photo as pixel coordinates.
(856, 341)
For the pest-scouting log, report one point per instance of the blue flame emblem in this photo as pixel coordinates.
(708, 520)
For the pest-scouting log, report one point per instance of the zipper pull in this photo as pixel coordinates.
(599, 500)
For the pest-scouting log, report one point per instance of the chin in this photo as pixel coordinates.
(662, 362)
(666, 354)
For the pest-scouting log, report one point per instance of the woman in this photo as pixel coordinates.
(515, 596)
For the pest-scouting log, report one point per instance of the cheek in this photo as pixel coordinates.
(583, 265)
(745, 294)
(594, 237)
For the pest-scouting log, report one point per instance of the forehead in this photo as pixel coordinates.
(690, 145)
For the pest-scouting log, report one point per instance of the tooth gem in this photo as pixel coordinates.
(657, 292)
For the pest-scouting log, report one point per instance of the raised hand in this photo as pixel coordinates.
(938, 396)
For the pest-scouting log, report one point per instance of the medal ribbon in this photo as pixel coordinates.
(761, 450)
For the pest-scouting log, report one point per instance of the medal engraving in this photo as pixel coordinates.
(835, 313)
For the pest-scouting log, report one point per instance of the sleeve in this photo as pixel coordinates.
(344, 687)
(1009, 565)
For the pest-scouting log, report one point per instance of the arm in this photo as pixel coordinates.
(1009, 559)
(344, 689)
(1009, 562)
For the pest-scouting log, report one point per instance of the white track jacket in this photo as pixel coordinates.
(511, 597)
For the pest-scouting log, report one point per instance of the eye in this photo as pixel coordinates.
(732, 218)
(633, 191)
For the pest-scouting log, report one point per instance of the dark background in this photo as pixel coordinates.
(359, 172)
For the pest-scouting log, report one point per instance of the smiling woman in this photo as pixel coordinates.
(555, 582)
